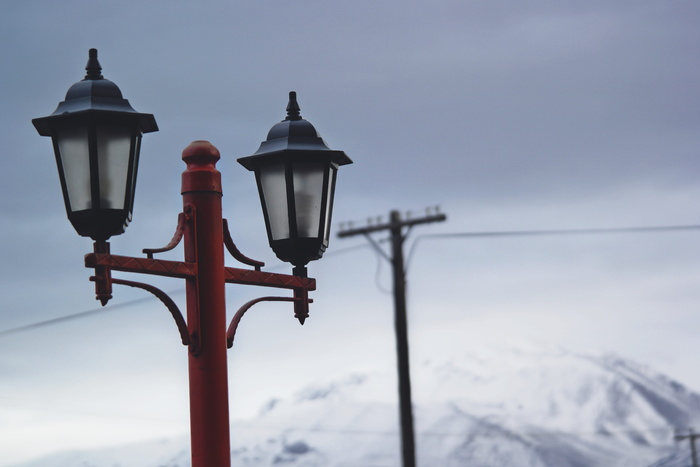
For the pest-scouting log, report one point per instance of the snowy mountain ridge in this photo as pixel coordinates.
(530, 407)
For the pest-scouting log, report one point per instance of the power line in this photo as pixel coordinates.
(525, 233)
(551, 232)
(483, 234)
(473, 433)
(79, 315)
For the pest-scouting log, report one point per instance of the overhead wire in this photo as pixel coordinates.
(378, 271)
(474, 433)
(79, 315)
(549, 232)
(454, 235)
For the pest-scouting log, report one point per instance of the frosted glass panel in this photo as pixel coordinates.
(329, 203)
(308, 194)
(274, 187)
(73, 148)
(113, 150)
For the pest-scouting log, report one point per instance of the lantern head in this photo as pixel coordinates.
(96, 138)
(296, 174)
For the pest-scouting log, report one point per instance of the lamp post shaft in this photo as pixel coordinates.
(206, 308)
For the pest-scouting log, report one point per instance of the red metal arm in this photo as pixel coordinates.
(184, 269)
(231, 332)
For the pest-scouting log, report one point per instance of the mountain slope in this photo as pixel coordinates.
(529, 407)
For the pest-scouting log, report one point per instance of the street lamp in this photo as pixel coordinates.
(296, 172)
(96, 137)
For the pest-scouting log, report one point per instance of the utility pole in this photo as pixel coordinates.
(691, 436)
(398, 229)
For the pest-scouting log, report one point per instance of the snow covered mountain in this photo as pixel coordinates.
(530, 407)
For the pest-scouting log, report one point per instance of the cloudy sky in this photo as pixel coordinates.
(509, 115)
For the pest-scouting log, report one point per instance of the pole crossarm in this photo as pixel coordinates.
(389, 225)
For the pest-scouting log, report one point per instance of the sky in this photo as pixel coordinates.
(508, 115)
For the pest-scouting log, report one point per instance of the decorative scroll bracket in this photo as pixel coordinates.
(104, 263)
(233, 326)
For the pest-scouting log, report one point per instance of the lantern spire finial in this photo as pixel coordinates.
(293, 107)
(93, 67)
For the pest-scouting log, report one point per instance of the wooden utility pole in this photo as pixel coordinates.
(691, 436)
(398, 229)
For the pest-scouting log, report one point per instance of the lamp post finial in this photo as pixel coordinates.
(293, 107)
(93, 67)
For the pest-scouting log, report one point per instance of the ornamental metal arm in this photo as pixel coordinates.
(301, 307)
(172, 307)
(187, 270)
(156, 267)
(103, 289)
(177, 237)
(268, 279)
(235, 252)
(103, 262)
(188, 216)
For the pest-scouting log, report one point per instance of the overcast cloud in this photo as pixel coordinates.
(510, 115)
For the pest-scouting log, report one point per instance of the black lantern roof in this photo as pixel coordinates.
(94, 94)
(293, 134)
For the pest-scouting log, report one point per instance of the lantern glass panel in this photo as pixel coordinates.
(134, 170)
(308, 197)
(74, 155)
(274, 189)
(113, 156)
(329, 202)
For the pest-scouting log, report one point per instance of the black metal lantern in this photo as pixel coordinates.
(97, 138)
(296, 173)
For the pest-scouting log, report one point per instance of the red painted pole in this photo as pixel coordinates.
(206, 307)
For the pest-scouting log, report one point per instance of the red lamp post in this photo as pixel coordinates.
(96, 136)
